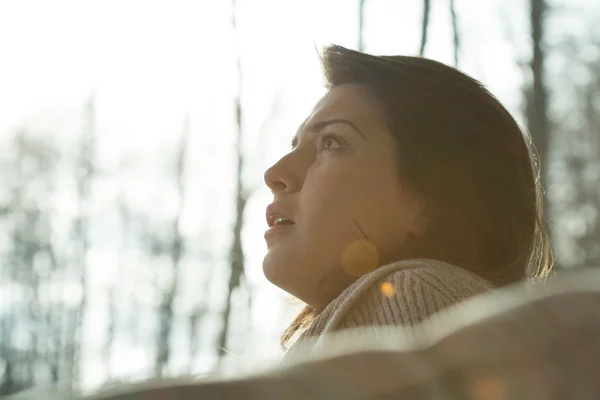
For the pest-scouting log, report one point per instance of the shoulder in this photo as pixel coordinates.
(403, 293)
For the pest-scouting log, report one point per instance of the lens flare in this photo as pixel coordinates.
(387, 289)
(489, 388)
(360, 257)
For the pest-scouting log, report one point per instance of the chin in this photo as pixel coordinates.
(280, 272)
(272, 269)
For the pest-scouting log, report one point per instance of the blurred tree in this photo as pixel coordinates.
(84, 174)
(29, 345)
(198, 313)
(424, 26)
(455, 32)
(175, 250)
(361, 25)
(110, 332)
(236, 254)
(537, 97)
(577, 204)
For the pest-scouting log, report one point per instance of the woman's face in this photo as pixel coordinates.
(340, 186)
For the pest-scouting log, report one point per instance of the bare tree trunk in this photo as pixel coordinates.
(32, 247)
(455, 33)
(537, 110)
(84, 174)
(6, 379)
(110, 333)
(236, 264)
(166, 306)
(236, 253)
(424, 26)
(54, 325)
(113, 313)
(361, 25)
(29, 227)
(11, 381)
(9, 384)
(193, 320)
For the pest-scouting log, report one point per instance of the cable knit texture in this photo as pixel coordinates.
(403, 293)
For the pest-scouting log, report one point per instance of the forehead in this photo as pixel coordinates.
(350, 101)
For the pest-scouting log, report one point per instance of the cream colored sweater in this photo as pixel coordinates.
(403, 293)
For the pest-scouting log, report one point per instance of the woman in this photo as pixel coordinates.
(409, 188)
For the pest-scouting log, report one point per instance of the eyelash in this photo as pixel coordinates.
(330, 136)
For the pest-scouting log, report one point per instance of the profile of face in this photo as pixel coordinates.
(340, 209)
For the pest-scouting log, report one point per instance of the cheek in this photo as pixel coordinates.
(328, 195)
(328, 205)
(339, 199)
(367, 201)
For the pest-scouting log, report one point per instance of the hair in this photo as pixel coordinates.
(465, 156)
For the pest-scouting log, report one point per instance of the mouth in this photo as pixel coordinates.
(277, 221)
(277, 216)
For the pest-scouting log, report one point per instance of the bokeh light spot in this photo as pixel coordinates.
(387, 289)
(360, 257)
(489, 388)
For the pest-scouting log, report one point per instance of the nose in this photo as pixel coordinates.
(283, 176)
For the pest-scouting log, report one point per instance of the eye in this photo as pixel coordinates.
(330, 141)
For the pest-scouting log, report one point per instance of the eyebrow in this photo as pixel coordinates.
(319, 126)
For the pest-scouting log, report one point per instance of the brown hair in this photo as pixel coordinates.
(462, 152)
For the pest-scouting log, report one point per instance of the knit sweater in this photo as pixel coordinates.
(403, 293)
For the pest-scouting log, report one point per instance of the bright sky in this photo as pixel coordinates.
(152, 62)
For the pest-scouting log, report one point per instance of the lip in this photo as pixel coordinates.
(277, 230)
(275, 210)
